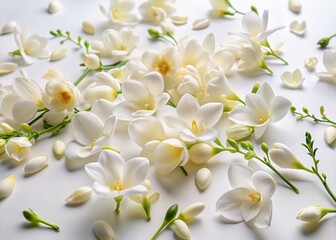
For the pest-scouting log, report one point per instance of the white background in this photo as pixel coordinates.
(45, 192)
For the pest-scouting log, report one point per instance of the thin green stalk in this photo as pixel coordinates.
(84, 74)
(162, 227)
(38, 117)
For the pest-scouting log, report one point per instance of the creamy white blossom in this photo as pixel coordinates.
(200, 153)
(156, 11)
(7, 186)
(261, 110)
(116, 43)
(113, 177)
(310, 63)
(329, 61)
(312, 214)
(8, 28)
(31, 47)
(292, 79)
(195, 122)
(119, 12)
(219, 7)
(18, 148)
(91, 61)
(250, 200)
(298, 28)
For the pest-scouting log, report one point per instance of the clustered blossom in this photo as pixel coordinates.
(173, 102)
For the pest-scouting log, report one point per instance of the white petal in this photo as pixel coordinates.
(244, 116)
(257, 104)
(229, 204)
(7, 186)
(266, 92)
(95, 172)
(139, 189)
(329, 60)
(250, 210)
(103, 231)
(240, 176)
(110, 126)
(104, 191)
(211, 113)
(310, 63)
(179, 19)
(103, 109)
(279, 107)
(263, 219)
(292, 80)
(298, 28)
(135, 171)
(225, 59)
(7, 67)
(8, 28)
(59, 53)
(73, 161)
(187, 107)
(295, 5)
(201, 24)
(134, 91)
(58, 148)
(330, 134)
(86, 127)
(112, 163)
(143, 130)
(88, 27)
(252, 23)
(24, 110)
(36, 164)
(261, 129)
(79, 196)
(154, 82)
(209, 43)
(264, 184)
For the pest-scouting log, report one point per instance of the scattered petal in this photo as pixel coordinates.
(295, 5)
(292, 80)
(58, 148)
(9, 28)
(103, 231)
(55, 6)
(59, 53)
(179, 19)
(298, 28)
(203, 178)
(330, 134)
(88, 28)
(7, 67)
(7, 186)
(79, 196)
(36, 164)
(310, 63)
(201, 24)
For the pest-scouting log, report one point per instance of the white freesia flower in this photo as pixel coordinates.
(312, 214)
(91, 133)
(142, 98)
(329, 61)
(156, 11)
(7, 186)
(31, 47)
(261, 110)
(283, 156)
(116, 43)
(119, 12)
(292, 79)
(18, 148)
(166, 62)
(167, 27)
(195, 122)
(61, 95)
(101, 86)
(250, 200)
(181, 229)
(113, 177)
(256, 26)
(298, 28)
(219, 7)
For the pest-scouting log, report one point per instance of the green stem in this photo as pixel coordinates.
(38, 117)
(272, 53)
(172, 37)
(53, 226)
(163, 226)
(84, 74)
(66, 121)
(184, 171)
(118, 203)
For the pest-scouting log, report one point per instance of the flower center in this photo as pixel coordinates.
(255, 197)
(115, 13)
(19, 149)
(116, 186)
(163, 67)
(195, 129)
(65, 96)
(263, 119)
(93, 143)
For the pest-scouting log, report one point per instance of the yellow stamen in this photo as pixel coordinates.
(163, 67)
(263, 119)
(116, 186)
(65, 96)
(255, 197)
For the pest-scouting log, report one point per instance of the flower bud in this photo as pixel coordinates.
(167, 27)
(18, 148)
(312, 213)
(201, 153)
(324, 42)
(295, 5)
(192, 211)
(58, 148)
(181, 229)
(6, 128)
(88, 28)
(59, 53)
(103, 231)
(79, 196)
(330, 134)
(282, 156)
(36, 164)
(154, 33)
(310, 63)
(26, 128)
(91, 61)
(203, 178)
(238, 132)
(7, 186)
(55, 6)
